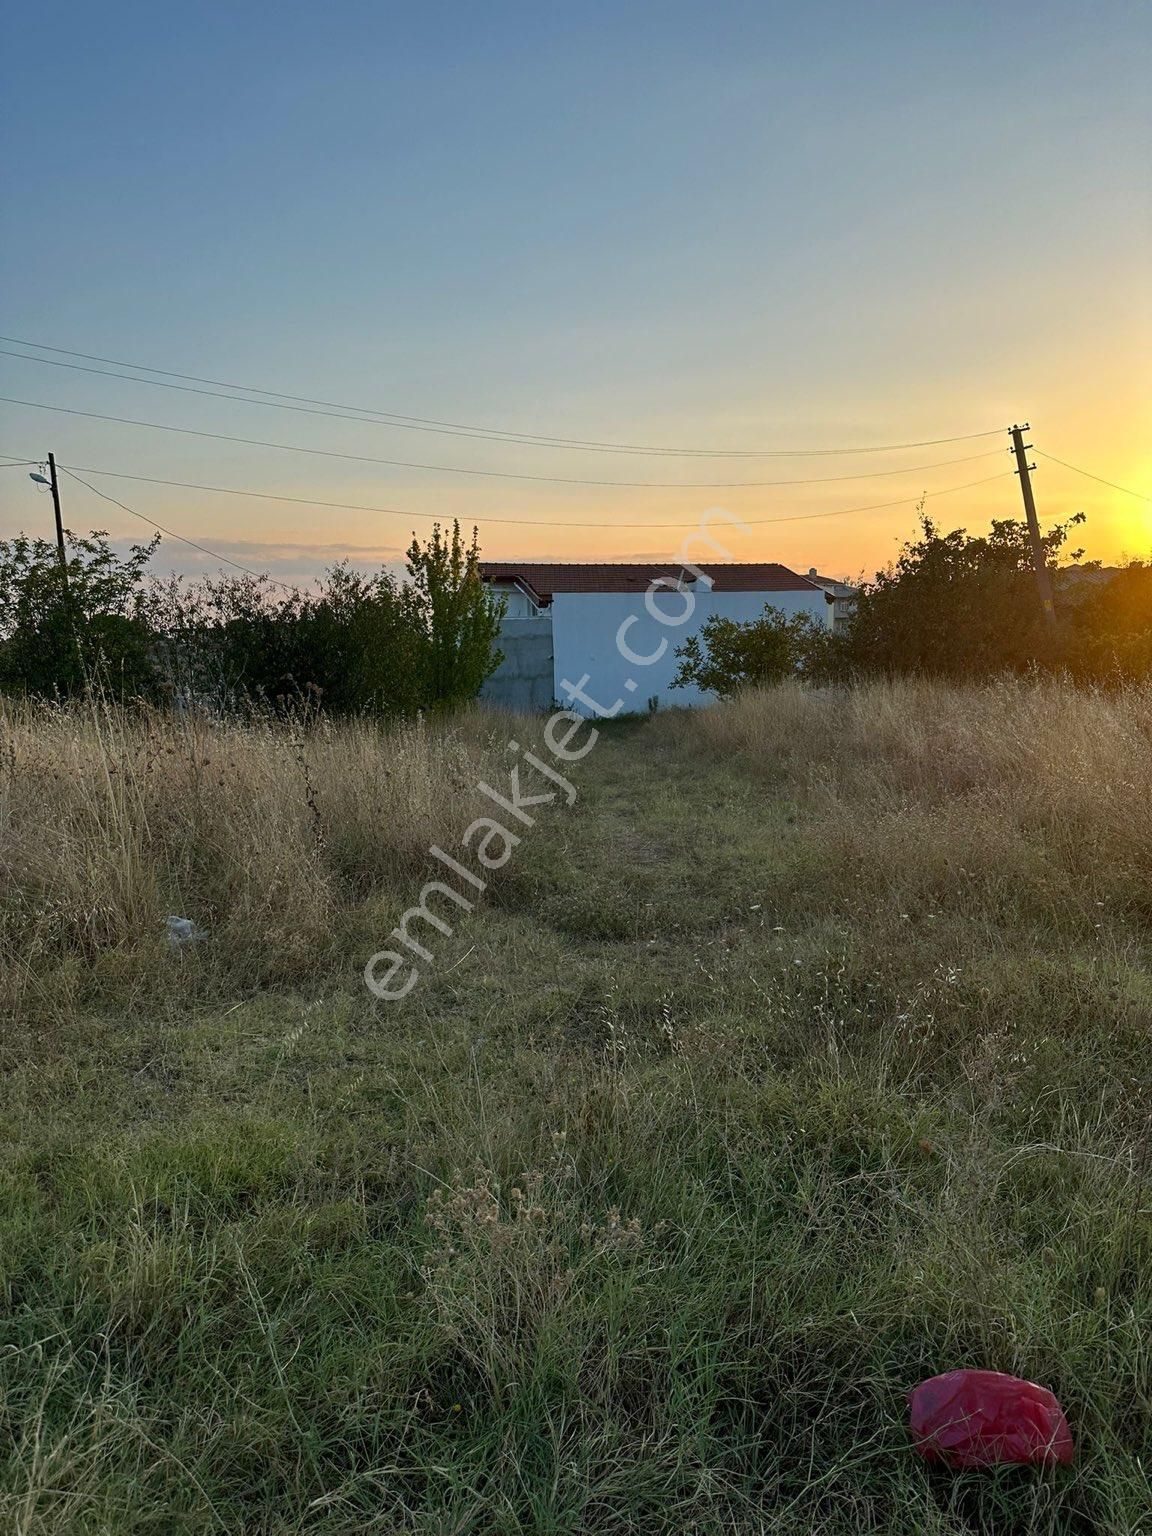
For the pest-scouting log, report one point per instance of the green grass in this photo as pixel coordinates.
(749, 1097)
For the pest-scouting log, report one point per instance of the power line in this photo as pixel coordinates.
(263, 576)
(204, 550)
(519, 522)
(489, 474)
(346, 413)
(458, 429)
(1087, 473)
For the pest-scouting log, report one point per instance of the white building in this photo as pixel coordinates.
(609, 626)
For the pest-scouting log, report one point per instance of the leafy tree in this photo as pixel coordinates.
(358, 643)
(348, 648)
(1112, 626)
(364, 629)
(959, 606)
(226, 638)
(57, 637)
(459, 618)
(725, 655)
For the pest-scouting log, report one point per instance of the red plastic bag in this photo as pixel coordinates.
(982, 1418)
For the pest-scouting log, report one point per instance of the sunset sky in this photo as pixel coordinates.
(735, 226)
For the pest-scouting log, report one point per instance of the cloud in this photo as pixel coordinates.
(283, 549)
(279, 558)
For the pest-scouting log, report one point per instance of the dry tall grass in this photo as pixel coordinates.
(930, 786)
(274, 838)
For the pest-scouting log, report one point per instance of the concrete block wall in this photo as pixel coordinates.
(524, 681)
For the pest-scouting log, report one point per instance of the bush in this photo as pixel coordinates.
(958, 606)
(725, 655)
(61, 631)
(359, 644)
(1111, 629)
(350, 648)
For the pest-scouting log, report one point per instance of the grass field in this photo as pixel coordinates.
(806, 1055)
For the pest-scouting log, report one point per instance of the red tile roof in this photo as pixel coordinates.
(545, 578)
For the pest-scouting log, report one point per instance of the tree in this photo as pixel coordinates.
(725, 655)
(459, 618)
(958, 606)
(350, 647)
(364, 632)
(356, 644)
(57, 638)
(1112, 626)
(359, 644)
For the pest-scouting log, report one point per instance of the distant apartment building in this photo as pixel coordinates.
(841, 595)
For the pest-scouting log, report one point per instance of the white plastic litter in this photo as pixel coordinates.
(181, 931)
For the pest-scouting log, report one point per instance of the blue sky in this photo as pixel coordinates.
(734, 225)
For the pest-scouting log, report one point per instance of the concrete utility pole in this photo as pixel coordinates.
(1039, 559)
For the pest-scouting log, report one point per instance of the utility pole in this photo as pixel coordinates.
(53, 484)
(1039, 559)
(59, 521)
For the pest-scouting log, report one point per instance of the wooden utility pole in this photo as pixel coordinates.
(1039, 559)
(59, 521)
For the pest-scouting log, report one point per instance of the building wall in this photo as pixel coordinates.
(517, 603)
(843, 610)
(524, 679)
(585, 625)
(841, 597)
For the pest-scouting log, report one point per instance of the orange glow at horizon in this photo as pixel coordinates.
(801, 528)
(766, 230)
(800, 525)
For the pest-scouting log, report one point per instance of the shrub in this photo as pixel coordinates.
(358, 644)
(458, 619)
(60, 631)
(1111, 628)
(725, 655)
(351, 647)
(958, 606)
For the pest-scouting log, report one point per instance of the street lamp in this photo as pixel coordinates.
(55, 489)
